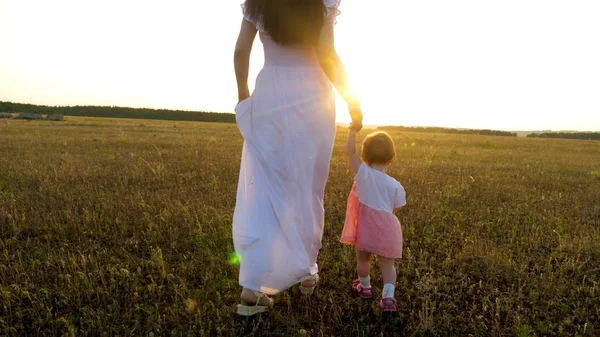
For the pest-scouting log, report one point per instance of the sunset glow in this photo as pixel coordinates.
(512, 65)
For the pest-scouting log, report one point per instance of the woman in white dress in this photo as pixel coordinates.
(288, 126)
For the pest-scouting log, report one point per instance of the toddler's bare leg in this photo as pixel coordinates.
(388, 270)
(363, 263)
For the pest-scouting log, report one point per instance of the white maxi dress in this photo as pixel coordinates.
(288, 126)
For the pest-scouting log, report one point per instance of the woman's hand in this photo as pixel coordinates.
(243, 94)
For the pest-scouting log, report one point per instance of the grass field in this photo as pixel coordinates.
(123, 228)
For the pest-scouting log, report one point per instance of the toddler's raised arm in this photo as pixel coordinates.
(353, 157)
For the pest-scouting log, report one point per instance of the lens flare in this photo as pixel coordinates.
(234, 258)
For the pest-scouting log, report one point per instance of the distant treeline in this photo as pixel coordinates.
(449, 130)
(567, 135)
(119, 112)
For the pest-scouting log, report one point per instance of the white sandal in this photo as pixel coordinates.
(309, 290)
(244, 309)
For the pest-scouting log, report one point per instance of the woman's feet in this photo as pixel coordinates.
(253, 302)
(307, 287)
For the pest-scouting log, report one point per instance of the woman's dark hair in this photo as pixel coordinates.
(289, 22)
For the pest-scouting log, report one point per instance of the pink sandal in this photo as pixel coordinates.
(387, 304)
(362, 292)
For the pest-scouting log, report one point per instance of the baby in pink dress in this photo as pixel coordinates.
(371, 225)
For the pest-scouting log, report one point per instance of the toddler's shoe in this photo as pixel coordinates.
(387, 304)
(362, 292)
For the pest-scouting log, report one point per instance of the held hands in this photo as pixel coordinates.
(356, 115)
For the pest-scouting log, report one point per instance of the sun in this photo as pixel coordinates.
(369, 85)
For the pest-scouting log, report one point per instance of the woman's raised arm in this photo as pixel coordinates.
(334, 69)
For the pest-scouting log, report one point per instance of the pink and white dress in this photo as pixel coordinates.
(370, 221)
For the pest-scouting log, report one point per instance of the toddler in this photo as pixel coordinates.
(371, 225)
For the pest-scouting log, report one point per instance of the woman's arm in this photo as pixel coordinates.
(334, 69)
(241, 58)
(351, 151)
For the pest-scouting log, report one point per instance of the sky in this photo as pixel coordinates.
(497, 64)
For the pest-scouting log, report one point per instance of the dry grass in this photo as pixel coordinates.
(123, 227)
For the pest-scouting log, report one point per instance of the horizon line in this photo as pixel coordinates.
(337, 123)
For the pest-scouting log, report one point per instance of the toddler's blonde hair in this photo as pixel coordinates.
(378, 148)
